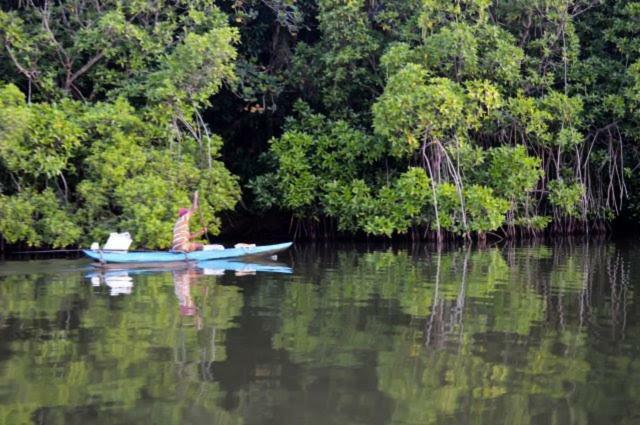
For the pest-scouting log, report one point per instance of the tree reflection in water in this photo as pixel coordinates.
(505, 334)
(509, 332)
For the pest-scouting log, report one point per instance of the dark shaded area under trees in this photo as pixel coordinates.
(420, 119)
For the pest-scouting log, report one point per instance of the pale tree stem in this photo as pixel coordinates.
(433, 190)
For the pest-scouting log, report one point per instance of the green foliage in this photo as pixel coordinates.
(109, 133)
(535, 222)
(124, 175)
(313, 153)
(483, 96)
(16, 219)
(512, 173)
(339, 64)
(452, 51)
(414, 106)
(531, 119)
(297, 181)
(501, 58)
(39, 140)
(479, 107)
(127, 175)
(567, 197)
(179, 53)
(397, 56)
(393, 209)
(37, 218)
(486, 211)
(351, 203)
(197, 67)
(482, 212)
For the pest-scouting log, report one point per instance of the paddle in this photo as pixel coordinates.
(196, 205)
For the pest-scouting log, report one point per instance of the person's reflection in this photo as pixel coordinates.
(182, 282)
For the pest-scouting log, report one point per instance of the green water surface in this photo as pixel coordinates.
(539, 334)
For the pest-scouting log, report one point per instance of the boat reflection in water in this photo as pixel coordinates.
(242, 268)
(118, 281)
(121, 282)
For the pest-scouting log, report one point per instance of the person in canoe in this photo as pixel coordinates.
(182, 237)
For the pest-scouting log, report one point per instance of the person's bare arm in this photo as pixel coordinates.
(198, 233)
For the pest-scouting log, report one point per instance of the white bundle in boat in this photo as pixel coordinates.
(118, 242)
(213, 247)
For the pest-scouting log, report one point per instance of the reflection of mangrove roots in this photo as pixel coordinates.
(581, 286)
(579, 271)
(446, 318)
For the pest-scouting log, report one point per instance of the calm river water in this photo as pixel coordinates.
(543, 334)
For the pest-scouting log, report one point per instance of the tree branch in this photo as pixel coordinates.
(86, 67)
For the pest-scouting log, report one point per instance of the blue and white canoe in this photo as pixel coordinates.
(146, 257)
